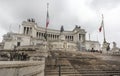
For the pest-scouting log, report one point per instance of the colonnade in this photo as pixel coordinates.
(50, 36)
(27, 30)
(40, 35)
(69, 38)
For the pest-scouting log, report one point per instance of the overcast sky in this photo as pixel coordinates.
(85, 13)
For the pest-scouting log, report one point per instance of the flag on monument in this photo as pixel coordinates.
(47, 19)
(102, 24)
(100, 29)
(47, 23)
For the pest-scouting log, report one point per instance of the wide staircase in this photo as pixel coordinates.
(67, 64)
(58, 65)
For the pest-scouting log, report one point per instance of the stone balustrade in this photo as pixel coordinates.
(22, 68)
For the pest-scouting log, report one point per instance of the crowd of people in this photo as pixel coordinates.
(92, 50)
(19, 56)
(15, 56)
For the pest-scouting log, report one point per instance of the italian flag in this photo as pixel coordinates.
(100, 28)
(47, 19)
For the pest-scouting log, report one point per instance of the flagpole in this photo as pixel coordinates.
(47, 22)
(103, 29)
(47, 16)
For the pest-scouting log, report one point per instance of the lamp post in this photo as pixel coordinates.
(59, 69)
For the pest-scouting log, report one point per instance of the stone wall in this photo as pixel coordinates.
(92, 44)
(63, 45)
(22, 68)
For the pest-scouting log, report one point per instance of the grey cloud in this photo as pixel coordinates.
(13, 12)
(104, 4)
(23, 9)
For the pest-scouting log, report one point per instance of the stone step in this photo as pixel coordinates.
(79, 69)
(78, 74)
(68, 73)
(85, 70)
(86, 73)
(63, 70)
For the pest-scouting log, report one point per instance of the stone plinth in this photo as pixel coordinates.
(22, 68)
(104, 47)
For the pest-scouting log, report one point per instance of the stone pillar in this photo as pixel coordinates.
(24, 30)
(55, 37)
(51, 36)
(39, 35)
(31, 30)
(81, 38)
(27, 30)
(70, 38)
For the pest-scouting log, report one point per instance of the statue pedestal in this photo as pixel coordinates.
(104, 47)
(62, 37)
